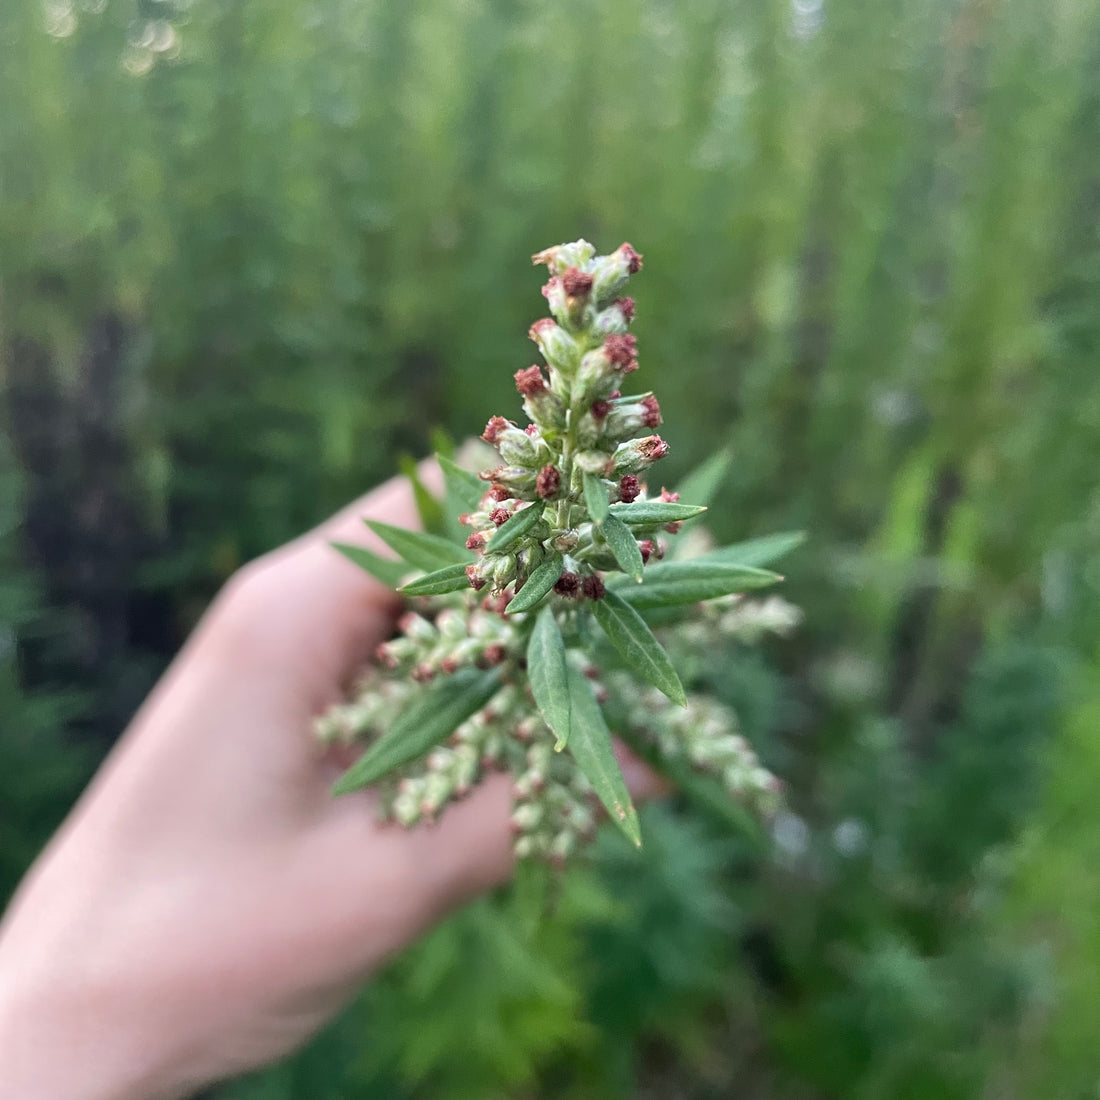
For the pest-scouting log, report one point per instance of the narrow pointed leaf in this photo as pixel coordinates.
(386, 570)
(450, 578)
(637, 646)
(428, 508)
(758, 552)
(702, 483)
(590, 745)
(538, 584)
(512, 530)
(430, 720)
(652, 513)
(464, 490)
(595, 496)
(424, 551)
(548, 674)
(680, 582)
(442, 444)
(623, 545)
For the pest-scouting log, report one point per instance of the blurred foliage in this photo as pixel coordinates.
(247, 250)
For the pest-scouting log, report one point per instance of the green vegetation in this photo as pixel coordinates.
(247, 251)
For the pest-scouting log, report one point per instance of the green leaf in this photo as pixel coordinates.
(590, 745)
(538, 584)
(652, 513)
(637, 646)
(448, 579)
(386, 570)
(595, 496)
(703, 482)
(548, 673)
(679, 582)
(423, 551)
(427, 722)
(761, 551)
(464, 489)
(442, 444)
(428, 507)
(513, 529)
(623, 545)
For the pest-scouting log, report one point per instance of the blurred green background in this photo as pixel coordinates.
(250, 254)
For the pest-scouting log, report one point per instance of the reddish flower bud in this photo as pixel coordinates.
(499, 492)
(612, 271)
(567, 584)
(593, 587)
(448, 666)
(637, 454)
(531, 430)
(652, 416)
(548, 483)
(621, 350)
(626, 307)
(529, 381)
(493, 430)
(476, 541)
(648, 548)
(495, 605)
(576, 283)
(477, 581)
(500, 516)
(493, 655)
(674, 528)
(629, 488)
(633, 259)
(667, 497)
(600, 409)
(423, 673)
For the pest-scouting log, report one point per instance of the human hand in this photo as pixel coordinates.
(208, 904)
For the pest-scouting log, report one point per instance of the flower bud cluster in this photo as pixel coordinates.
(580, 423)
(455, 639)
(705, 734)
(554, 808)
(584, 435)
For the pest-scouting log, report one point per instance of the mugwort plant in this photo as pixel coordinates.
(534, 608)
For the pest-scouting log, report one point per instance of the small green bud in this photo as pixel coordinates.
(610, 273)
(558, 348)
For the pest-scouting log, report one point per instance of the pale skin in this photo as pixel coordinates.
(208, 904)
